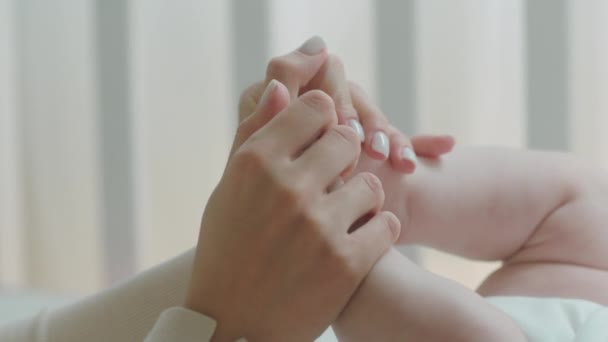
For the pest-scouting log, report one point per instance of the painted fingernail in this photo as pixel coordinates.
(354, 124)
(312, 46)
(269, 88)
(380, 144)
(408, 153)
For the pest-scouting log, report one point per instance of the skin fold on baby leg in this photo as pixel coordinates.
(399, 301)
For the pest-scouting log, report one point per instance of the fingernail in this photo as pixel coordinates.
(312, 46)
(408, 153)
(269, 88)
(380, 144)
(354, 124)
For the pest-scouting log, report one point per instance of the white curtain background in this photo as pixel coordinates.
(116, 116)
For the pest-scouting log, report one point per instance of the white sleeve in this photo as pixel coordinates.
(126, 312)
(179, 324)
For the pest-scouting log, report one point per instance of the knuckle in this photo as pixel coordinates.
(344, 105)
(278, 67)
(344, 141)
(347, 136)
(346, 109)
(321, 103)
(294, 196)
(250, 159)
(243, 129)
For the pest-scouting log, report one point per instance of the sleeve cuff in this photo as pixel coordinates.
(181, 324)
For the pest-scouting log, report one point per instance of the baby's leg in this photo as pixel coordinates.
(399, 301)
(542, 213)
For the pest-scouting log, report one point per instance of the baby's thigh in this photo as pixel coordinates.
(567, 257)
(547, 279)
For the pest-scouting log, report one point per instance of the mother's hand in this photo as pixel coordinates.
(276, 260)
(311, 67)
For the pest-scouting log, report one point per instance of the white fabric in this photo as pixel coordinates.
(556, 319)
(126, 312)
(179, 324)
(144, 307)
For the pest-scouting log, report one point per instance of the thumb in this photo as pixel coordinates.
(274, 99)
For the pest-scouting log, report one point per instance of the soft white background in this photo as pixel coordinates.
(470, 79)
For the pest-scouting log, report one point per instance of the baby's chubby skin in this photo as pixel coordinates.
(542, 213)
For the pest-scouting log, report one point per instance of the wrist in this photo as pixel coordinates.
(224, 331)
(224, 313)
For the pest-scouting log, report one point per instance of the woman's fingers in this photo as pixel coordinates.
(432, 146)
(375, 124)
(362, 195)
(296, 69)
(250, 98)
(385, 141)
(301, 72)
(402, 155)
(381, 140)
(337, 151)
(270, 203)
(331, 79)
(308, 68)
(274, 99)
(296, 128)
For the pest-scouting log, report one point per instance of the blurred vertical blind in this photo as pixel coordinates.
(116, 116)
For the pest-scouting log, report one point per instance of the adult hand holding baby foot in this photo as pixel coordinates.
(272, 216)
(275, 259)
